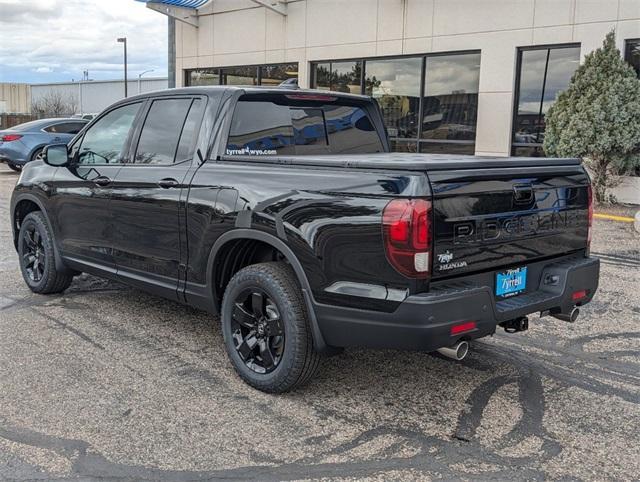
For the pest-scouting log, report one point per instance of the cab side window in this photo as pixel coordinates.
(162, 130)
(105, 141)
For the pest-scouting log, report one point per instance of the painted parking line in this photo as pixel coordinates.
(611, 217)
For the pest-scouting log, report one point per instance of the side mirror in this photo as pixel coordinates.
(56, 155)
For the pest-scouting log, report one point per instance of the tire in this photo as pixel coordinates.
(37, 256)
(265, 299)
(14, 167)
(37, 154)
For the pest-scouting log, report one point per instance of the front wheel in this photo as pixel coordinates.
(37, 256)
(266, 328)
(14, 167)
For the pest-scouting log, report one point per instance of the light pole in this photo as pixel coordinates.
(140, 77)
(123, 40)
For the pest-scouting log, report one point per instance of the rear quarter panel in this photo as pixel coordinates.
(329, 218)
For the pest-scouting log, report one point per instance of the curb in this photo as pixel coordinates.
(612, 217)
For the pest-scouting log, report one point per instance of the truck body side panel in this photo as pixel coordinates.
(331, 221)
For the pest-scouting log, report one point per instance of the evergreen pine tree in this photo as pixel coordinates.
(598, 117)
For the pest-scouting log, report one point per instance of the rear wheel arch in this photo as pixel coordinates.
(239, 248)
(35, 151)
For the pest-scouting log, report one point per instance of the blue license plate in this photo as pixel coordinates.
(511, 282)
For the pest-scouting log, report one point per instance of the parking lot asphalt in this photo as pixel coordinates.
(107, 381)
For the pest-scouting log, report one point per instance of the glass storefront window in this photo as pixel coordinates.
(395, 84)
(239, 75)
(543, 74)
(447, 110)
(451, 97)
(275, 75)
(345, 77)
(203, 77)
(462, 148)
(528, 151)
(403, 146)
(269, 75)
(338, 76)
(322, 80)
(632, 54)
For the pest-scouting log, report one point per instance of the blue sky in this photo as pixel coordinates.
(55, 40)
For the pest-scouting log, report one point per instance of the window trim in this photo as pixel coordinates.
(423, 75)
(516, 87)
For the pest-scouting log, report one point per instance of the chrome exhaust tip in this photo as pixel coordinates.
(570, 317)
(455, 352)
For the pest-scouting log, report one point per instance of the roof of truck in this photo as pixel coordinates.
(208, 89)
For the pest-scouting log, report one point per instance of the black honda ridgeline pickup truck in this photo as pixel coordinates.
(285, 212)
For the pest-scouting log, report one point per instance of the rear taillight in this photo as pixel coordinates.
(590, 216)
(11, 137)
(406, 226)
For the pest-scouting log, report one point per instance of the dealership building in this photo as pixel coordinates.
(452, 76)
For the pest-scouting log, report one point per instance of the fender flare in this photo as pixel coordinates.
(37, 201)
(318, 340)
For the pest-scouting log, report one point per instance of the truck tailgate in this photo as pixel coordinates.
(491, 218)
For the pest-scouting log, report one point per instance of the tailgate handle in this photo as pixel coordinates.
(523, 193)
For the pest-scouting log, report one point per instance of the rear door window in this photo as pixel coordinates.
(284, 125)
(161, 132)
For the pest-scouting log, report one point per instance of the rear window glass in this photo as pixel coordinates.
(27, 126)
(280, 125)
(65, 128)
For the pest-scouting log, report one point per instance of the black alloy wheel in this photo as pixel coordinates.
(37, 257)
(266, 329)
(258, 332)
(34, 256)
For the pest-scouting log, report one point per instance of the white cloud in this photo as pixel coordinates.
(52, 40)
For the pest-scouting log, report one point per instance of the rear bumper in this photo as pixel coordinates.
(424, 321)
(12, 157)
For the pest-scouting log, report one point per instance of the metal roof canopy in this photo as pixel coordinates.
(183, 10)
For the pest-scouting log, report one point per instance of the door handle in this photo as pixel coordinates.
(168, 183)
(102, 181)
